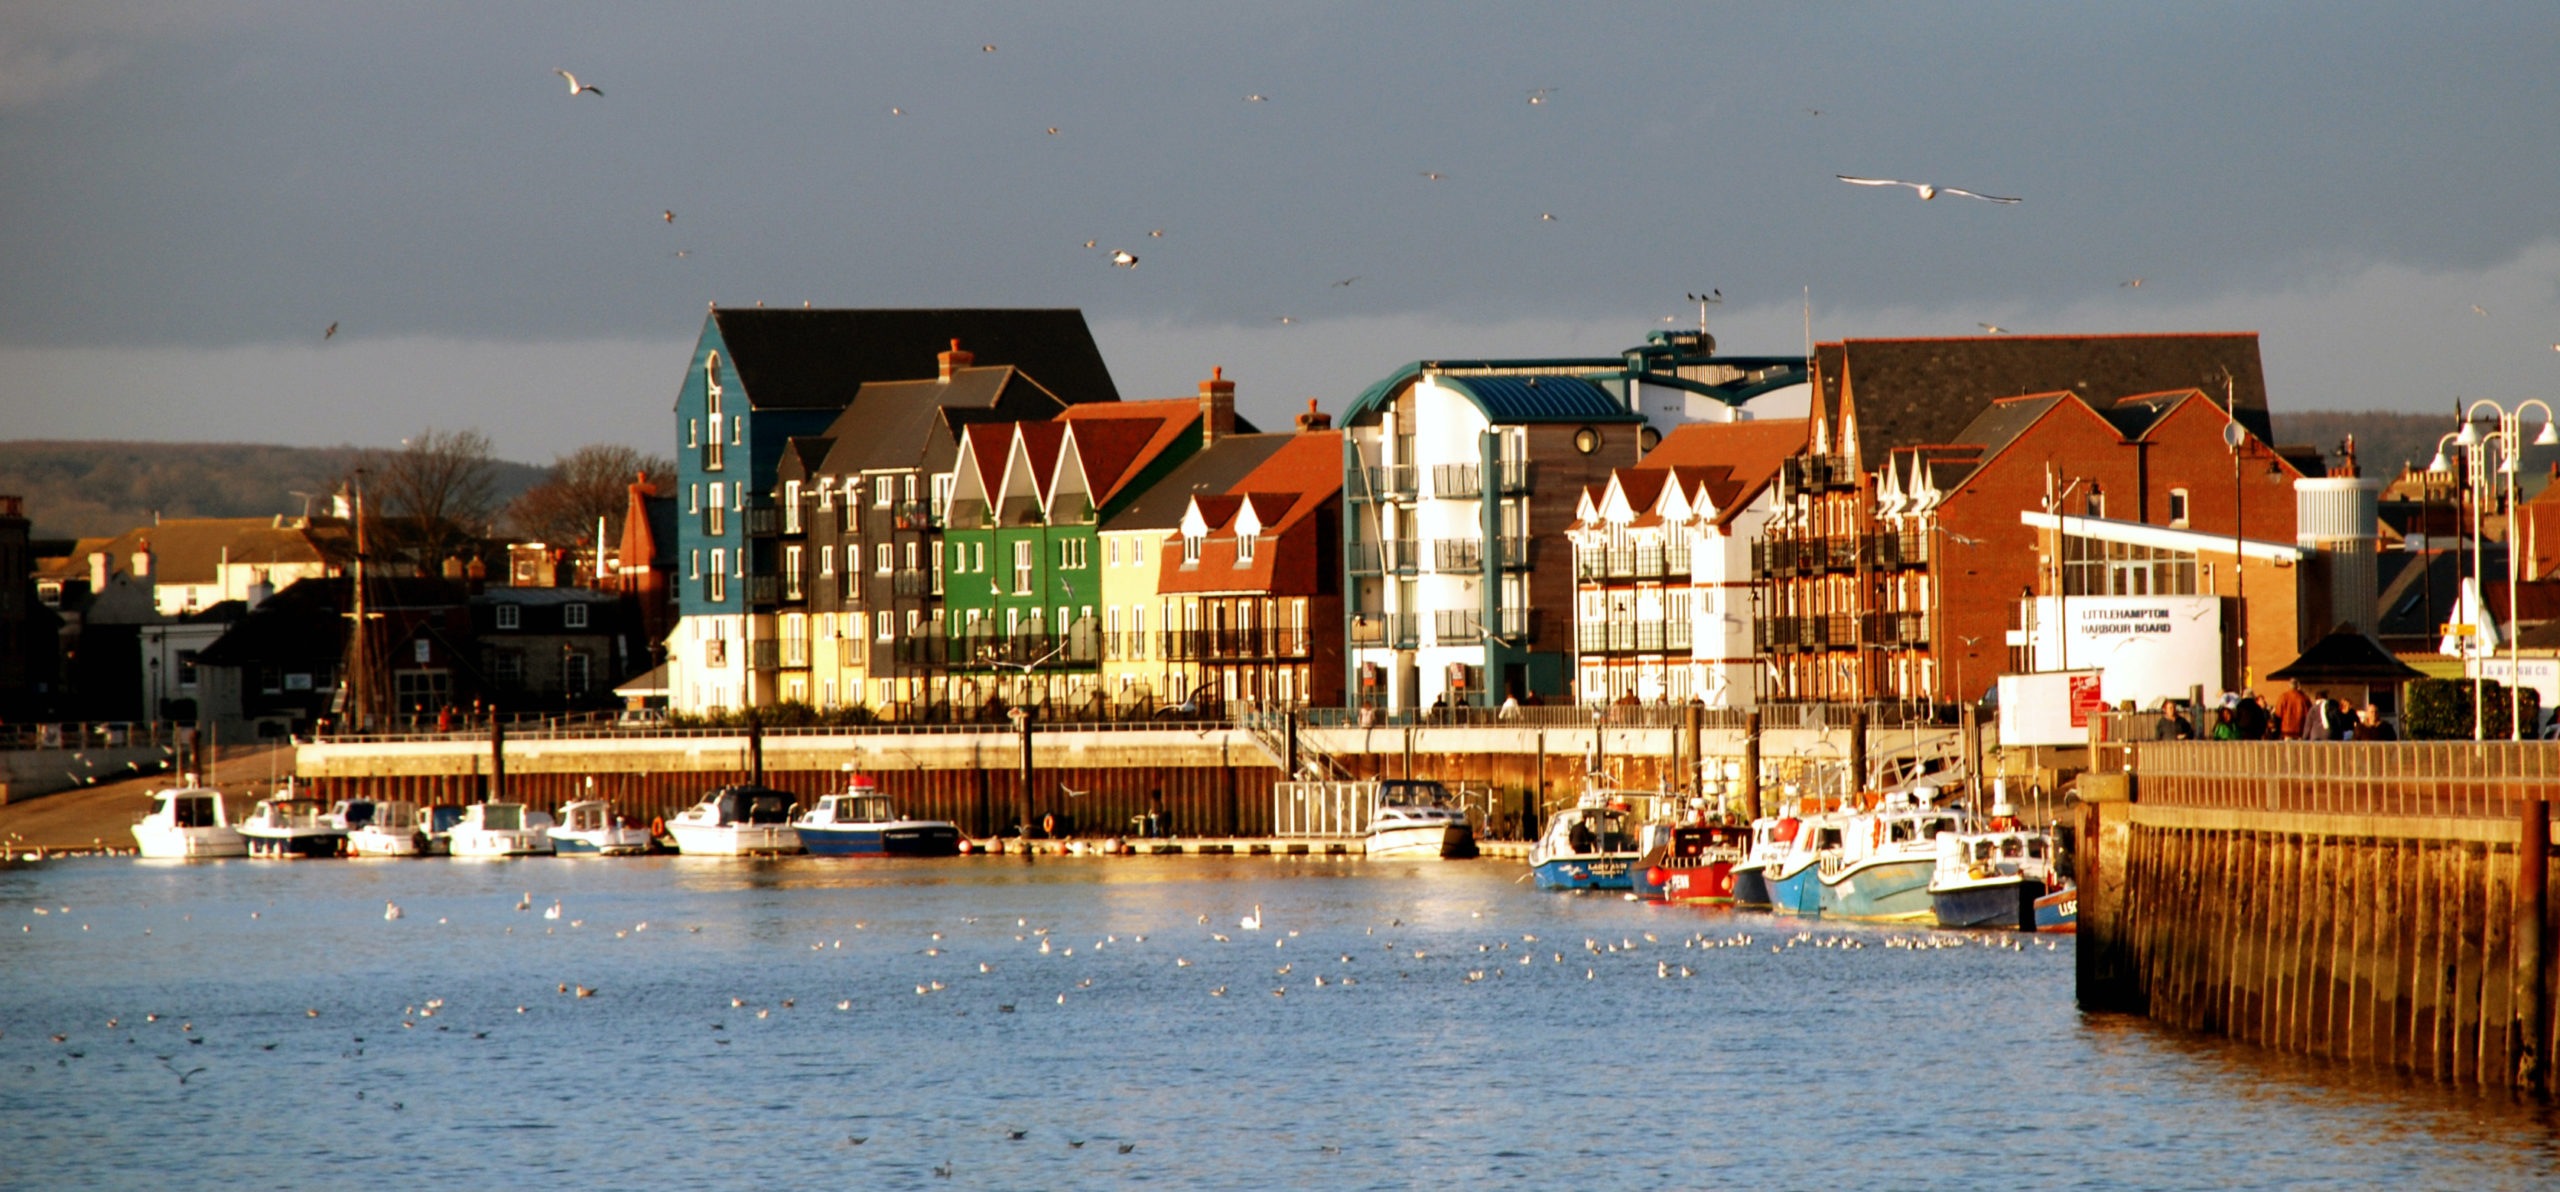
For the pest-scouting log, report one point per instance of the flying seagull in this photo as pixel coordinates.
(986, 49)
(1435, 176)
(1090, 243)
(1546, 217)
(577, 88)
(1158, 233)
(1125, 258)
(1348, 280)
(1992, 329)
(2135, 284)
(1539, 94)
(2479, 310)
(1257, 98)
(1926, 190)
(1053, 130)
(331, 333)
(670, 216)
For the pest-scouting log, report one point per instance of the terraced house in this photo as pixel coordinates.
(1252, 583)
(1137, 673)
(758, 378)
(1022, 557)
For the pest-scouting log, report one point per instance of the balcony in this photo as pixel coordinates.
(1374, 558)
(762, 518)
(1456, 480)
(1897, 629)
(1817, 473)
(968, 515)
(764, 654)
(1638, 562)
(1514, 477)
(1676, 635)
(1457, 554)
(1125, 647)
(762, 590)
(1391, 481)
(1457, 626)
(910, 583)
(1398, 631)
(1519, 552)
(1235, 645)
(923, 647)
(912, 515)
(1025, 651)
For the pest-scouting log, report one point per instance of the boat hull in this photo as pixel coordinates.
(1750, 885)
(1891, 891)
(370, 842)
(1711, 884)
(1593, 871)
(295, 845)
(902, 840)
(602, 842)
(1795, 893)
(2007, 902)
(189, 844)
(2059, 911)
(1454, 842)
(734, 840)
(523, 842)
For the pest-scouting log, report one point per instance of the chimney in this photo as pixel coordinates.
(98, 565)
(1217, 406)
(955, 360)
(1314, 419)
(142, 560)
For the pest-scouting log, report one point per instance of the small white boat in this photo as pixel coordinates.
(390, 831)
(862, 822)
(435, 827)
(286, 827)
(736, 821)
(502, 830)
(589, 827)
(187, 822)
(1414, 819)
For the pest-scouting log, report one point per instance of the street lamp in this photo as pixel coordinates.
(2508, 437)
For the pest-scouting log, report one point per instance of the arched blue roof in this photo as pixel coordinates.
(1514, 398)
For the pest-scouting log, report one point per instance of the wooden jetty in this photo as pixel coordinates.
(2378, 904)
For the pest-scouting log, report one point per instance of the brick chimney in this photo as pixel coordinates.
(1314, 419)
(1217, 406)
(954, 360)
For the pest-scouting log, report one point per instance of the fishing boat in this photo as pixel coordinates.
(502, 830)
(188, 822)
(1751, 873)
(285, 827)
(589, 828)
(2059, 910)
(1588, 846)
(390, 831)
(1887, 854)
(736, 821)
(1992, 879)
(1804, 842)
(1411, 819)
(862, 822)
(435, 827)
(1692, 864)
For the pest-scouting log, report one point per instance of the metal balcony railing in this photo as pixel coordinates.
(1456, 626)
(1456, 480)
(763, 520)
(1219, 645)
(1391, 480)
(1519, 552)
(910, 583)
(1390, 630)
(762, 589)
(912, 515)
(1457, 554)
(1515, 622)
(1515, 476)
(764, 654)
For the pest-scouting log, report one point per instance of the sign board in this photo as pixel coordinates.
(2050, 708)
(2148, 648)
(2541, 674)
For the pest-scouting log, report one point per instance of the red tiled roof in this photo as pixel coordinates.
(1173, 417)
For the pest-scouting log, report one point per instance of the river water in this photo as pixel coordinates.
(1448, 1050)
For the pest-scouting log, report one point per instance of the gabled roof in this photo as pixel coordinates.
(2347, 656)
(892, 424)
(1519, 399)
(818, 359)
(1172, 418)
(191, 550)
(1751, 452)
(1308, 467)
(1214, 469)
(1914, 391)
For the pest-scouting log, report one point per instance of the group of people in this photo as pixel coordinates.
(2295, 715)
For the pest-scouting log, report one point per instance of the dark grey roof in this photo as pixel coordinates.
(1214, 469)
(1997, 426)
(817, 359)
(1915, 391)
(2346, 656)
(894, 424)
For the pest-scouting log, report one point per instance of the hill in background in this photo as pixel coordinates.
(79, 489)
(2385, 441)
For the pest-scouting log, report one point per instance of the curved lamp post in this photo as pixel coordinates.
(2507, 436)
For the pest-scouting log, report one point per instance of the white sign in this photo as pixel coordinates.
(2148, 647)
(2541, 674)
(2051, 708)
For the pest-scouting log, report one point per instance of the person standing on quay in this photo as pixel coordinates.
(2291, 710)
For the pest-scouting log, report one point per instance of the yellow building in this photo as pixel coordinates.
(1135, 671)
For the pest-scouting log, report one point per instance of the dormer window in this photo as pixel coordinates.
(573, 616)
(510, 616)
(1244, 549)
(1191, 549)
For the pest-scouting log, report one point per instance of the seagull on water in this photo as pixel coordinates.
(577, 88)
(1926, 190)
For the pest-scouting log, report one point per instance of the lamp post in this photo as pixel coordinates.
(2508, 438)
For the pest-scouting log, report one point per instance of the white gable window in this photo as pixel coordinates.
(509, 616)
(1244, 549)
(1191, 548)
(573, 616)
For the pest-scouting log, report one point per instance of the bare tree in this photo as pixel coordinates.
(586, 484)
(435, 494)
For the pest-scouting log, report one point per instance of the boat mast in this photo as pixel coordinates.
(360, 702)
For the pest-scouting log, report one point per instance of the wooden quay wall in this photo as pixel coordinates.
(2377, 904)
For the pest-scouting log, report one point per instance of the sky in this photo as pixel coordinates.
(196, 190)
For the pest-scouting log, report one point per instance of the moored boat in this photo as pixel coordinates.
(1691, 864)
(188, 822)
(1992, 879)
(1751, 873)
(1886, 857)
(390, 831)
(1588, 846)
(589, 827)
(862, 822)
(285, 827)
(501, 830)
(1413, 819)
(2059, 910)
(736, 821)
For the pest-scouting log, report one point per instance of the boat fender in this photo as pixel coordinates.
(1657, 877)
(1787, 829)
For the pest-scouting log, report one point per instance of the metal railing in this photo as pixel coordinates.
(762, 589)
(2437, 779)
(1515, 476)
(1519, 551)
(1456, 626)
(1457, 554)
(1456, 480)
(1395, 630)
(1223, 644)
(1391, 480)
(1373, 558)
(762, 518)
(910, 583)
(764, 654)
(912, 515)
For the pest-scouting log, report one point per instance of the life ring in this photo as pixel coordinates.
(658, 827)
(1049, 825)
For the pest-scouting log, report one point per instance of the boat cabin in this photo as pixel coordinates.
(865, 808)
(440, 819)
(194, 809)
(594, 815)
(753, 805)
(1581, 831)
(293, 813)
(499, 817)
(1408, 792)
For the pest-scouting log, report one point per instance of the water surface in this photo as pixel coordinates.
(1616, 1050)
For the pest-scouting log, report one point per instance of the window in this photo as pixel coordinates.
(2177, 506)
(509, 616)
(792, 564)
(882, 496)
(574, 674)
(978, 551)
(1074, 553)
(1111, 553)
(1244, 549)
(1022, 565)
(908, 482)
(884, 559)
(693, 499)
(884, 628)
(1190, 550)
(712, 514)
(187, 669)
(573, 616)
(911, 556)
(711, 395)
(941, 494)
(791, 507)
(719, 586)
(850, 520)
(507, 669)
(826, 560)
(694, 564)
(937, 573)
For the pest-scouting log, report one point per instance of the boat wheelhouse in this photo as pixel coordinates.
(1886, 857)
(188, 822)
(1588, 846)
(501, 830)
(285, 827)
(863, 822)
(590, 828)
(1993, 879)
(736, 821)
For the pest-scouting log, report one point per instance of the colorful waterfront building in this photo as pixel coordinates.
(1137, 672)
(1251, 584)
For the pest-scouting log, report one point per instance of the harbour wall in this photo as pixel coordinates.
(1211, 779)
(2380, 905)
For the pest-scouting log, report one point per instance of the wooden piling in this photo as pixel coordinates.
(2532, 926)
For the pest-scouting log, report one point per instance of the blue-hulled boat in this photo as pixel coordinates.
(1887, 856)
(1588, 846)
(1794, 878)
(1993, 878)
(1751, 873)
(862, 822)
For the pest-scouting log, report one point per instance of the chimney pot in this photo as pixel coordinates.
(1314, 419)
(955, 360)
